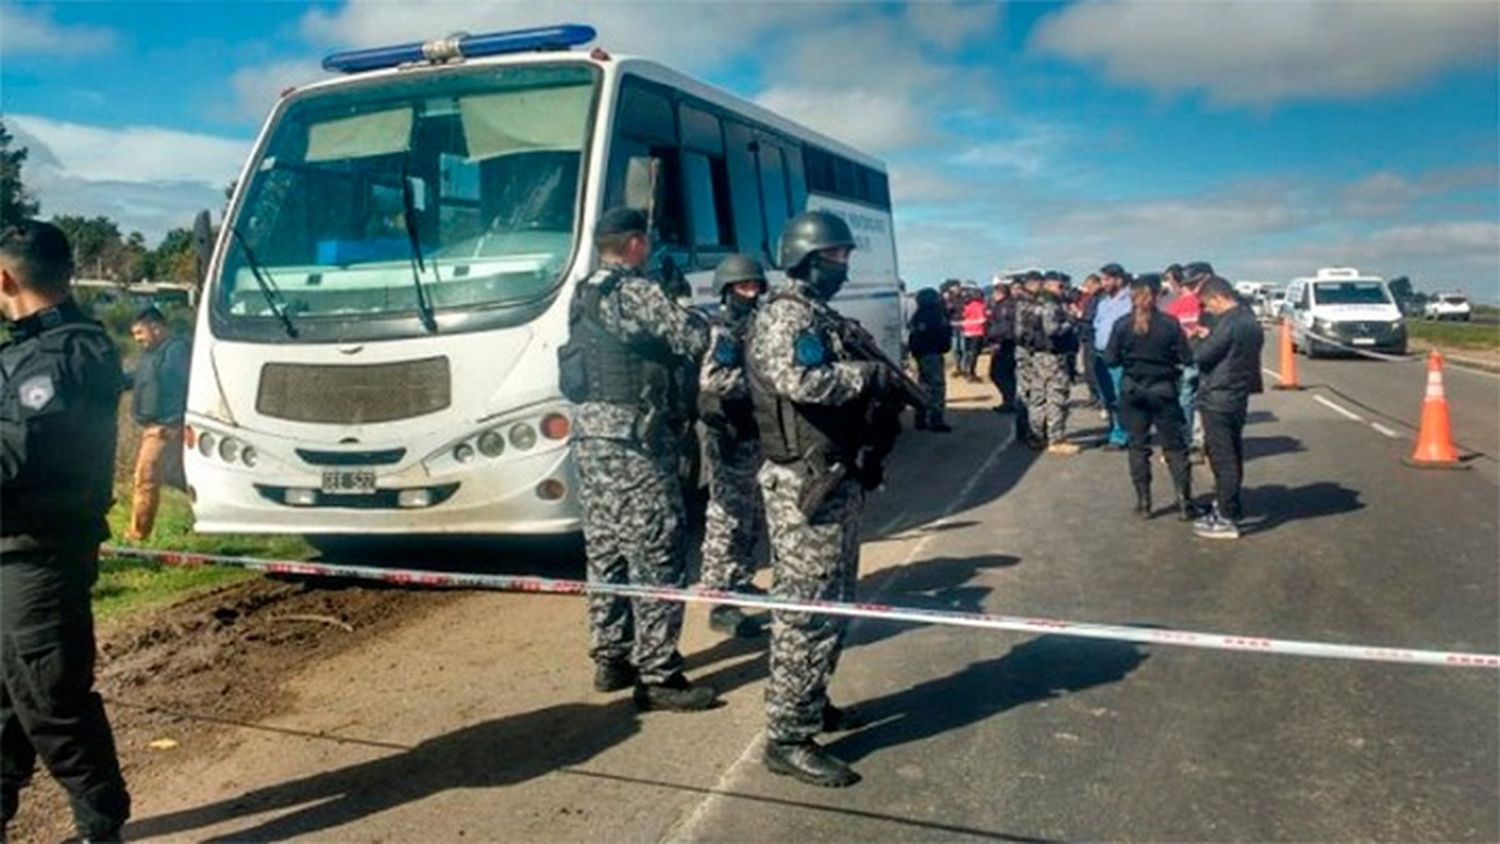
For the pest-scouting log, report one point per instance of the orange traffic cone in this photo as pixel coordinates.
(1435, 440)
(1288, 359)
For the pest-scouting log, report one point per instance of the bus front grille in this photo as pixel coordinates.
(362, 394)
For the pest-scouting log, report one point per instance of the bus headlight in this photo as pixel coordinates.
(491, 443)
(248, 456)
(555, 426)
(206, 443)
(463, 453)
(522, 436)
(229, 449)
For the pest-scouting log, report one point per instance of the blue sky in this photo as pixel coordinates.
(1270, 138)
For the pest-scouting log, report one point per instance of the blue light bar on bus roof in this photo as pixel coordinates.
(461, 46)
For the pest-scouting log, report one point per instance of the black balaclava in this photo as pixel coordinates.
(825, 277)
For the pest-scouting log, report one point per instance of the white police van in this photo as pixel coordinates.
(1340, 309)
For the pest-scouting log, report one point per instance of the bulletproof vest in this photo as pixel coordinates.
(790, 430)
(1029, 325)
(64, 485)
(597, 366)
(732, 417)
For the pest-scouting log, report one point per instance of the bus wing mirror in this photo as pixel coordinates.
(642, 176)
(203, 244)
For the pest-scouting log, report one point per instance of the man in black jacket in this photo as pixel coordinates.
(59, 389)
(1000, 334)
(160, 382)
(1229, 362)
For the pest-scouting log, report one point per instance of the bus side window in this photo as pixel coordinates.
(646, 125)
(773, 186)
(744, 192)
(705, 177)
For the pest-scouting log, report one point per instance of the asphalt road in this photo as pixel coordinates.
(479, 725)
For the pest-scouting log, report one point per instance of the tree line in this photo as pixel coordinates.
(100, 249)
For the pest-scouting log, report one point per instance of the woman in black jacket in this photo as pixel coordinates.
(1152, 350)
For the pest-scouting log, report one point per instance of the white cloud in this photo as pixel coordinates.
(1029, 151)
(953, 24)
(256, 89)
(1386, 192)
(657, 30)
(1240, 52)
(31, 31)
(135, 153)
(872, 121)
(146, 179)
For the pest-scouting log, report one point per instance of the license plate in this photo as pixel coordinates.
(1364, 341)
(349, 482)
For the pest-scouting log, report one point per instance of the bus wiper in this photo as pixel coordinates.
(413, 237)
(268, 288)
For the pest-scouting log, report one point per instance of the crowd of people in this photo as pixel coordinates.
(1169, 360)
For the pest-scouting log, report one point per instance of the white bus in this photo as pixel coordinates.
(377, 349)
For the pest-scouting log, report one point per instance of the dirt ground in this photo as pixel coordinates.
(222, 657)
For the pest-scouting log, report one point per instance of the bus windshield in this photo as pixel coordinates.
(472, 176)
(1351, 293)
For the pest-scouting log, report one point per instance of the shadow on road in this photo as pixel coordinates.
(495, 753)
(1040, 669)
(1257, 447)
(1281, 504)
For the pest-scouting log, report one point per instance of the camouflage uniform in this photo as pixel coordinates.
(735, 515)
(1027, 404)
(627, 458)
(796, 353)
(1050, 381)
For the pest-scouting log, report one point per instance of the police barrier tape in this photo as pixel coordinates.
(1049, 626)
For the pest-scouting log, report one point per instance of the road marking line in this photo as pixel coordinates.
(1345, 411)
(1384, 430)
(686, 828)
(1271, 372)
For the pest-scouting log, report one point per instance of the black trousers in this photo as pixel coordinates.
(1147, 405)
(1003, 373)
(48, 706)
(1224, 440)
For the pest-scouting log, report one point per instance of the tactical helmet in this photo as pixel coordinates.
(738, 268)
(809, 232)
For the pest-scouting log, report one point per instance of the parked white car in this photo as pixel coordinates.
(1448, 306)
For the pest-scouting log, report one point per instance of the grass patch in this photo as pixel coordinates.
(1455, 335)
(127, 586)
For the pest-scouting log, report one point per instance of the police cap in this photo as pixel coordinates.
(620, 221)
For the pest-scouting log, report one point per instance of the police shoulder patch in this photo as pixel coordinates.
(35, 392)
(810, 349)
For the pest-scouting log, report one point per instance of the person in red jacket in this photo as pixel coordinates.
(974, 316)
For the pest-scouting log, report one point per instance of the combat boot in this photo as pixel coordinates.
(807, 762)
(732, 621)
(674, 694)
(613, 676)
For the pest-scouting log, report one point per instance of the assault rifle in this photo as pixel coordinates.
(881, 423)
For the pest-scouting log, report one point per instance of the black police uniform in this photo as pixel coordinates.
(60, 391)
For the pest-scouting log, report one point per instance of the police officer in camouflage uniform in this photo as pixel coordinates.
(736, 517)
(622, 363)
(1028, 403)
(1050, 366)
(58, 399)
(810, 396)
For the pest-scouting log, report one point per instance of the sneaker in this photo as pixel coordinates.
(1063, 448)
(674, 694)
(613, 676)
(1216, 527)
